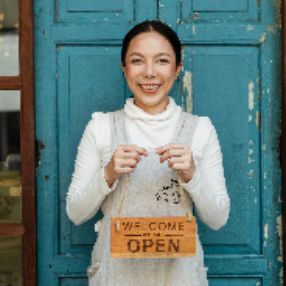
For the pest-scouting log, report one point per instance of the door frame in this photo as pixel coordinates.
(283, 131)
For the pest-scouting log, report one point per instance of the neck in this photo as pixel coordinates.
(156, 109)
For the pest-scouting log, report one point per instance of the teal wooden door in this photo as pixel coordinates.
(231, 55)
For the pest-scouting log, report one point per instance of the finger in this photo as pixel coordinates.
(132, 155)
(130, 148)
(125, 170)
(141, 151)
(163, 149)
(180, 166)
(175, 160)
(132, 163)
(172, 153)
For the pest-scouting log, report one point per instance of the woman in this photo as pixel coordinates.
(151, 138)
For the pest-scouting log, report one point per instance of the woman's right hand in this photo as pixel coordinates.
(124, 160)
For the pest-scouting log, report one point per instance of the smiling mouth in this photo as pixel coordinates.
(150, 88)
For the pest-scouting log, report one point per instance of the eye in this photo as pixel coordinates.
(136, 61)
(163, 61)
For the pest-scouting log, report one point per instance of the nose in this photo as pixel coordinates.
(150, 70)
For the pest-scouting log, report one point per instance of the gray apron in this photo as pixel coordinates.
(153, 191)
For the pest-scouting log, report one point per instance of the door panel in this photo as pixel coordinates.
(231, 74)
(235, 282)
(222, 83)
(95, 11)
(88, 81)
(220, 10)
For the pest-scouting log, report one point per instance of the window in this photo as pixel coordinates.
(17, 145)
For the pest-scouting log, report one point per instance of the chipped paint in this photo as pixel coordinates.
(249, 117)
(183, 56)
(281, 276)
(251, 174)
(266, 231)
(250, 160)
(258, 119)
(250, 95)
(249, 28)
(188, 85)
(255, 200)
(280, 257)
(280, 235)
(262, 38)
(57, 12)
(277, 6)
(272, 29)
(194, 29)
(250, 152)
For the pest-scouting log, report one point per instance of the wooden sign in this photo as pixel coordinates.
(154, 237)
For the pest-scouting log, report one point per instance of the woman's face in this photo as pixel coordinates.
(150, 70)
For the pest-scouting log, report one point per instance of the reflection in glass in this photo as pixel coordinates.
(11, 261)
(10, 159)
(9, 38)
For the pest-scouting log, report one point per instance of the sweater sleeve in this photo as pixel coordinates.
(207, 187)
(88, 187)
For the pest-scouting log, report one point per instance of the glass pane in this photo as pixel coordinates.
(9, 38)
(11, 261)
(10, 159)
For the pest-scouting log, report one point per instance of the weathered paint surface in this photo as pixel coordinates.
(188, 85)
(231, 74)
(250, 95)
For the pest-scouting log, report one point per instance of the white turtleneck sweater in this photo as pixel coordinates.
(88, 188)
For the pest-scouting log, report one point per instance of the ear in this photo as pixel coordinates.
(178, 69)
(123, 68)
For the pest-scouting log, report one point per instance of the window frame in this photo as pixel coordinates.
(25, 83)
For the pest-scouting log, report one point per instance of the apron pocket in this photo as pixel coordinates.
(92, 270)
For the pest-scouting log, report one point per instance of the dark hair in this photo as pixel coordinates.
(149, 26)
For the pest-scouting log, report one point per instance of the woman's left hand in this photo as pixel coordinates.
(180, 158)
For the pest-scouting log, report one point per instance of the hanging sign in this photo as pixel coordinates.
(153, 237)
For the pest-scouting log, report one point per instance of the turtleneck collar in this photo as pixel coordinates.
(151, 130)
(134, 112)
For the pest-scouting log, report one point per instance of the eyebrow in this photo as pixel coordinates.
(157, 55)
